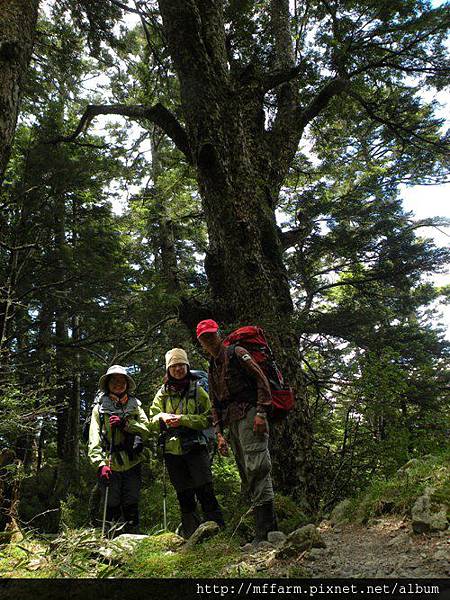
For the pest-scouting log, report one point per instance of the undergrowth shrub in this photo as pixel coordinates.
(397, 494)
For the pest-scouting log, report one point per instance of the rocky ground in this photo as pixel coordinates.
(386, 548)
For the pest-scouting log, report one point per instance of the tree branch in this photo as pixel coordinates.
(280, 76)
(293, 236)
(94, 353)
(15, 248)
(323, 98)
(158, 114)
(53, 284)
(396, 126)
(122, 357)
(389, 52)
(125, 7)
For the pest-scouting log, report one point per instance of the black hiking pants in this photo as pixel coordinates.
(123, 495)
(191, 477)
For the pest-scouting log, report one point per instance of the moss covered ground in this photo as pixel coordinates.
(398, 494)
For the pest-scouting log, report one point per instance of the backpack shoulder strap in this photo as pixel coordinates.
(98, 397)
(231, 351)
(101, 416)
(193, 393)
(232, 357)
(163, 391)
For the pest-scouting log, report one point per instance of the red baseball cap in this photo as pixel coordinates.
(207, 326)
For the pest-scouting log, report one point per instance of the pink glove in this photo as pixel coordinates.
(114, 421)
(104, 473)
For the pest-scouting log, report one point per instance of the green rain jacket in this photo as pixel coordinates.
(195, 408)
(100, 434)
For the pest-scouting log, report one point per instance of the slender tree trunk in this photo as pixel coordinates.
(61, 330)
(62, 400)
(68, 394)
(40, 448)
(74, 414)
(164, 242)
(75, 406)
(17, 31)
(67, 400)
(43, 347)
(6, 305)
(9, 495)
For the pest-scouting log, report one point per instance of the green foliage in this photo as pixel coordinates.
(397, 494)
(74, 512)
(39, 509)
(19, 413)
(227, 484)
(152, 501)
(72, 554)
(289, 516)
(12, 561)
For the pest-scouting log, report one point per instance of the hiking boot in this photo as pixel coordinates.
(114, 521)
(189, 523)
(265, 521)
(131, 516)
(215, 515)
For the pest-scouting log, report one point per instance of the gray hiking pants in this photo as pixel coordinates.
(251, 452)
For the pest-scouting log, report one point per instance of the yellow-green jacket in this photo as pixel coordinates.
(100, 434)
(194, 406)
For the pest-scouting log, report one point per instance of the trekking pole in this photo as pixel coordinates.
(164, 497)
(162, 446)
(107, 487)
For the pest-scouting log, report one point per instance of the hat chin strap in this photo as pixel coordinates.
(121, 395)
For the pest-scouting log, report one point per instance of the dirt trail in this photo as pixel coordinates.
(387, 548)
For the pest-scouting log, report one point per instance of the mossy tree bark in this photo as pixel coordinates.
(17, 31)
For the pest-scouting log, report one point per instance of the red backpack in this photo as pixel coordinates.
(252, 338)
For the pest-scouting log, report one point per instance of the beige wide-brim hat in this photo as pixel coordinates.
(176, 356)
(116, 370)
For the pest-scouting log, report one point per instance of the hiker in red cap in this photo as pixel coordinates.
(207, 326)
(240, 396)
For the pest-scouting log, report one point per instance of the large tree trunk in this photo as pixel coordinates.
(17, 31)
(225, 126)
(241, 168)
